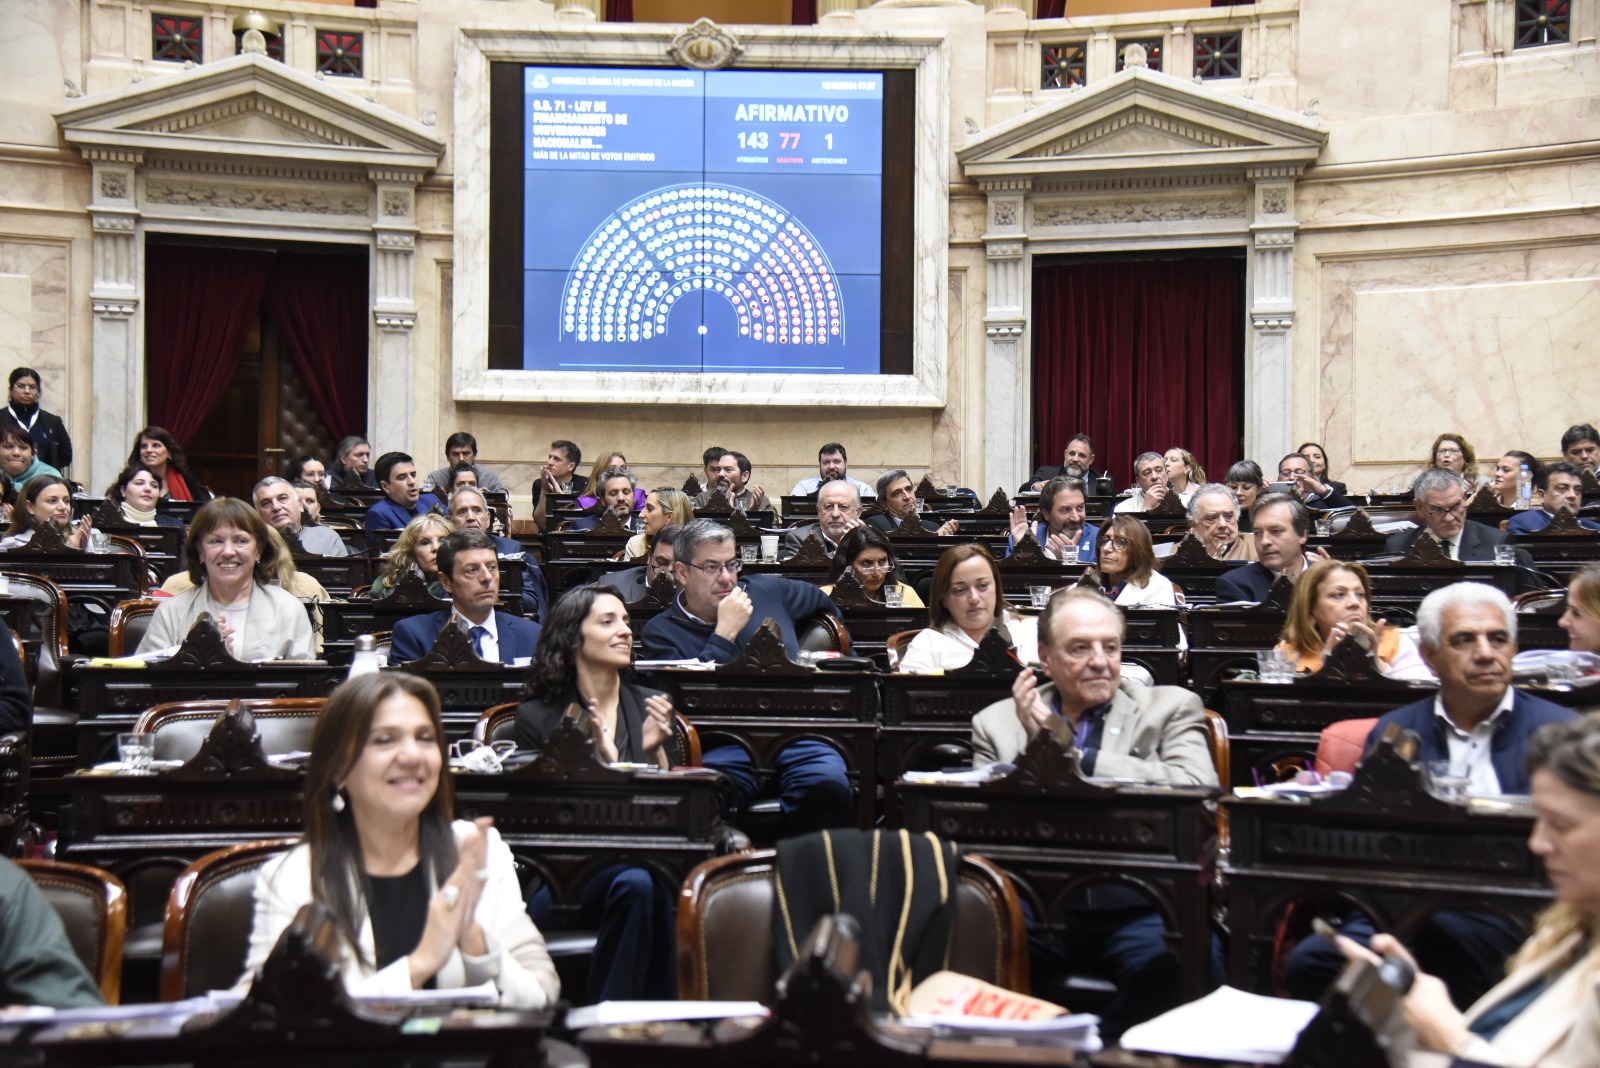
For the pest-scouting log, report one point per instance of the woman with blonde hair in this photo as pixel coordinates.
(1546, 1012)
(417, 548)
(662, 505)
(1581, 620)
(1332, 599)
(1184, 473)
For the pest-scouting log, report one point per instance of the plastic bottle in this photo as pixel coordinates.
(365, 659)
(1524, 488)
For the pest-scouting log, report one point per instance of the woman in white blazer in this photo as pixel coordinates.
(1546, 1012)
(421, 901)
(1127, 563)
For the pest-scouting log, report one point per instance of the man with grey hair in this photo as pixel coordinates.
(1280, 525)
(1149, 483)
(713, 618)
(838, 513)
(470, 511)
(280, 507)
(1214, 522)
(1440, 498)
(1154, 734)
(897, 499)
(1481, 726)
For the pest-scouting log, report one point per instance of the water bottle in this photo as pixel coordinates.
(365, 660)
(1524, 488)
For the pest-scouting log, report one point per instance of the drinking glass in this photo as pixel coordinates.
(136, 749)
(893, 597)
(1039, 595)
(1448, 779)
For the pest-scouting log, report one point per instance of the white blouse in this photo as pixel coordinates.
(951, 647)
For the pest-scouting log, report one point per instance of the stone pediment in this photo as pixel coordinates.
(1142, 120)
(248, 106)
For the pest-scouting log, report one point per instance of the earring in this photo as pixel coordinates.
(338, 802)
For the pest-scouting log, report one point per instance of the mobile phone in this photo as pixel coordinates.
(1280, 487)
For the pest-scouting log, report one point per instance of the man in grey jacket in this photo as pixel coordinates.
(1154, 734)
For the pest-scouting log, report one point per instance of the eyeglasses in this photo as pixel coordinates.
(1120, 544)
(712, 569)
(1448, 450)
(873, 569)
(1450, 509)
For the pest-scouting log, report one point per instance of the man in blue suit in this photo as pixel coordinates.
(469, 511)
(1468, 633)
(1280, 525)
(469, 571)
(1563, 492)
(403, 499)
(1059, 523)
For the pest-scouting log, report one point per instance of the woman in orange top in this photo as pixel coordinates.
(1332, 600)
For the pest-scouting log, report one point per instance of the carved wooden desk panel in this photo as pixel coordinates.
(1056, 833)
(1384, 845)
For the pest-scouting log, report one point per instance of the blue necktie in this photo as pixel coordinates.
(477, 634)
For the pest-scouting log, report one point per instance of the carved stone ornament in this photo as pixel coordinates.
(202, 648)
(1005, 213)
(659, 595)
(1026, 553)
(999, 504)
(1359, 525)
(705, 46)
(719, 503)
(452, 651)
(1190, 553)
(231, 750)
(109, 517)
(1108, 213)
(848, 592)
(812, 553)
(114, 185)
(1563, 524)
(569, 755)
(691, 486)
(47, 538)
(1427, 552)
(927, 491)
(1134, 55)
(412, 589)
(253, 198)
(1349, 661)
(1275, 201)
(764, 654)
(609, 526)
(1485, 500)
(396, 205)
(741, 526)
(1171, 504)
(992, 659)
(299, 996)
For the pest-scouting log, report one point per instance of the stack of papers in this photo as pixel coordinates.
(985, 773)
(611, 1013)
(1079, 1031)
(1225, 1025)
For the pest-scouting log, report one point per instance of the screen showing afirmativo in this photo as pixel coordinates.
(719, 221)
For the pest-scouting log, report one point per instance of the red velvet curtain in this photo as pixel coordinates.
(619, 10)
(803, 12)
(200, 303)
(319, 303)
(1050, 9)
(1142, 356)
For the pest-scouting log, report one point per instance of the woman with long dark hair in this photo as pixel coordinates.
(158, 450)
(136, 491)
(45, 499)
(421, 900)
(866, 552)
(583, 665)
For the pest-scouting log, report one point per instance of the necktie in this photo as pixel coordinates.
(477, 634)
(1450, 548)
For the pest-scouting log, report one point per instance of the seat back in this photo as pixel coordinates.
(823, 633)
(129, 621)
(1217, 740)
(93, 906)
(1341, 745)
(206, 937)
(499, 724)
(52, 633)
(285, 724)
(725, 928)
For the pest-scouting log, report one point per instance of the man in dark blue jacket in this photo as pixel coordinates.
(469, 511)
(713, 618)
(1481, 725)
(1280, 525)
(469, 571)
(403, 499)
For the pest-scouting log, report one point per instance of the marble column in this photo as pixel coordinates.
(1008, 381)
(117, 332)
(1269, 358)
(392, 362)
(581, 10)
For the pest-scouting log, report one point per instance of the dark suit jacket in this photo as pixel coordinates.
(629, 583)
(1477, 543)
(51, 442)
(16, 699)
(415, 635)
(790, 546)
(536, 720)
(1248, 582)
(1046, 473)
(1507, 748)
(579, 484)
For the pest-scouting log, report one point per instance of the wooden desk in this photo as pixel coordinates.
(1384, 844)
(764, 702)
(339, 575)
(104, 578)
(1225, 639)
(1055, 833)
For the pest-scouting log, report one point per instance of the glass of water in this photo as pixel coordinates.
(1448, 779)
(747, 553)
(136, 749)
(1276, 666)
(99, 541)
(1039, 595)
(893, 596)
(1069, 555)
(1505, 555)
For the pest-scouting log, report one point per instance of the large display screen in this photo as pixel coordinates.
(727, 221)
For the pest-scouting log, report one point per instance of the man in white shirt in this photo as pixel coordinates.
(832, 466)
(1149, 483)
(280, 507)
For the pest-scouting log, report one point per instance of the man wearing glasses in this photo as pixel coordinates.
(713, 618)
(1440, 497)
(469, 571)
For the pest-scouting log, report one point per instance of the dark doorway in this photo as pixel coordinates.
(1141, 352)
(256, 352)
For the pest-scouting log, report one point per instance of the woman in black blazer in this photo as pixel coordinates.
(584, 658)
(1318, 458)
(51, 443)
